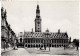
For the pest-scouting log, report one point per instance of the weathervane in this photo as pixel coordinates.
(37, 2)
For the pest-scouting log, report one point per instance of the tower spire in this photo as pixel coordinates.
(37, 11)
(38, 19)
(38, 5)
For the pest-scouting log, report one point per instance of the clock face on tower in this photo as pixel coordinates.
(38, 22)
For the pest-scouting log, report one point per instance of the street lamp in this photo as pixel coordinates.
(48, 38)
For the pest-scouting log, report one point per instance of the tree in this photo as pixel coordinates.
(76, 42)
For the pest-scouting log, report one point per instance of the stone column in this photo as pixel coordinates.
(27, 40)
(34, 41)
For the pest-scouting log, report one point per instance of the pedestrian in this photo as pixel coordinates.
(64, 47)
(77, 47)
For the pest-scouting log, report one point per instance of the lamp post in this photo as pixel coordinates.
(49, 44)
(14, 41)
(48, 38)
(14, 44)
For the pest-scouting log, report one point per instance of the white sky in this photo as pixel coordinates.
(54, 14)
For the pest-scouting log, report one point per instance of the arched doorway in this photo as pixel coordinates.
(20, 40)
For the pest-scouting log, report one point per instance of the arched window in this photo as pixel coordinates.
(20, 39)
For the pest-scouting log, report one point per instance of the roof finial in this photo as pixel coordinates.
(32, 29)
(47, 30)
(58, 30)
(37, 4)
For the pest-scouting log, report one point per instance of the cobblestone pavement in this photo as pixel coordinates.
(19, 52)
(38, 52)
(54, 51)
(7, 49)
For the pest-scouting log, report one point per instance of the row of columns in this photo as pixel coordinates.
(42, 41)
(39, 45)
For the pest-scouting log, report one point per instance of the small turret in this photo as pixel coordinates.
(32, 29)
(47, 30)
(58, 30)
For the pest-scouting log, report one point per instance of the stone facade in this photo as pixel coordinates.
(38, 39)
(44, 39)
(7, 34)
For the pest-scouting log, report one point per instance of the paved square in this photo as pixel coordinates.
(38, 52)
(53, 51)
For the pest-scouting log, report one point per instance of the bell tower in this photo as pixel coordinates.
(38, 20)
